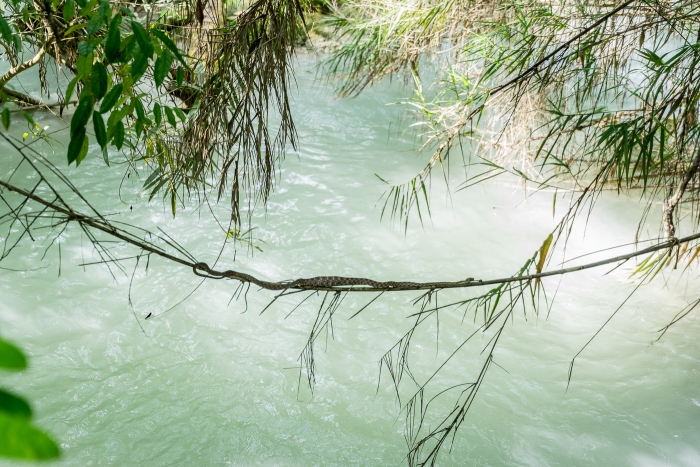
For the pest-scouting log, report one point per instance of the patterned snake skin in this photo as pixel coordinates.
(321, 282)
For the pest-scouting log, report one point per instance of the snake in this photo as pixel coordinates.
(322, 282)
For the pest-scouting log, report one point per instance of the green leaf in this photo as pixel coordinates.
(105, 10)
(180, 76)
(94, 25)
(139, 66)
(11, 358)
(143, 39)
(119, 135)
(140, 113)
(6, 117)
(83, 151)
(81, 115)
(100, 131)
(84, 65)
(105, 156)
(74, 28)
(81, 3)
(99, 80)
(71, 88)
(180, 114)
(19, 439)
(157, 114)
(5, 30)
(113, 42)
(171, 46)
(111, 98)
(17, 43)
(76, 145)
(170, 116)
(14, 405)
(68, 10)
(162, 67)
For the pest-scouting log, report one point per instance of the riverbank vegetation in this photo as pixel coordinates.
(579, 99)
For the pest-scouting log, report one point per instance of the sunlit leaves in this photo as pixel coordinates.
(11, 358)
(18, 438)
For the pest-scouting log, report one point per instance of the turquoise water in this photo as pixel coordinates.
(216, 383)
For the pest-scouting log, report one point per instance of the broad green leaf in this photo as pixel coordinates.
(113, 42)
(19, 439)
(5, 30)
(105, 10)
(68, 10)
(14, 405)
(6, 118)
(99, 80)
(83, 151)
(170, 45)
(143, 39)
(76, 145)
(162, 67)
(170, 116)
(139, 65)
(94, 25)
(82, 3)
(74, 28)
(119, 135)
(111, 98)
(99, 126)
(157, 114)
(71, 88)
(17, 43)
(140, 113)
(11, 358)
(84, 65)
(105, 156)
(180, 76)
(127, 48)
(81, 115)
(180, 113)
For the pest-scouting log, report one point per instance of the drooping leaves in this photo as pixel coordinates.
(19, 439)
(99, 80)
(11, 358)
(162, 67)
(14, 405)
(143, 39)
(113, 44)
(75, 146)
(100, 131)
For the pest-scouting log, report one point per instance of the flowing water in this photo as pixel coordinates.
(214, 382)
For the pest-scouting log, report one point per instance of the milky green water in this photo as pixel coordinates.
(210, 384)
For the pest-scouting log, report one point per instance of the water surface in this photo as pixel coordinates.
(213, 382)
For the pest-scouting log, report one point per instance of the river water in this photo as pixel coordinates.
(214, 382)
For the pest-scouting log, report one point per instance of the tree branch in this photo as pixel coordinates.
(14, 71)
(333, 283)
